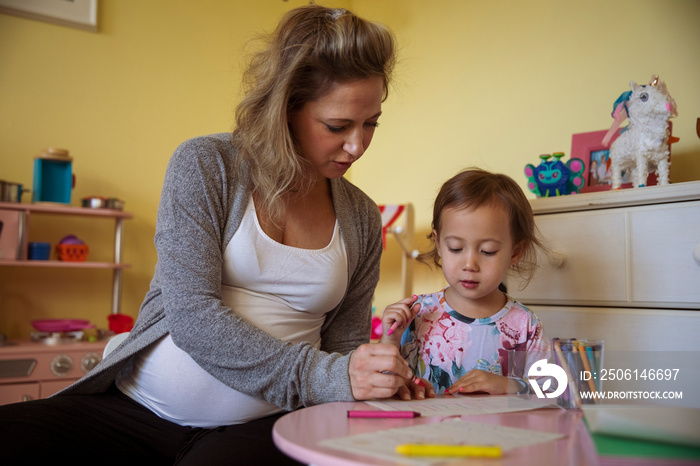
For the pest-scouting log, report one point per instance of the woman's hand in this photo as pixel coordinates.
(418, 391)
(481, 381)
(396, 318)
(377, 371)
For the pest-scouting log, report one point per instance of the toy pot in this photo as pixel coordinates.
(11, 192)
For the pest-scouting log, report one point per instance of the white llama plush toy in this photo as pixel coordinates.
(644, 143)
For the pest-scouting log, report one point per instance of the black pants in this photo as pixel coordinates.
(110, 428)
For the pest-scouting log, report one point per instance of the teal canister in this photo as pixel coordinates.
(53, 176)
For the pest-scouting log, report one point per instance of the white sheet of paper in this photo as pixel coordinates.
(382, 444)
(463, 405)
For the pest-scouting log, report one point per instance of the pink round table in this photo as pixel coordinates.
(299, 433)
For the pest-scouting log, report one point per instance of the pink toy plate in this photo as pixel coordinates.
(61, 325)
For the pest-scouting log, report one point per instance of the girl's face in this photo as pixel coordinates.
(335, 130)
(476, 250)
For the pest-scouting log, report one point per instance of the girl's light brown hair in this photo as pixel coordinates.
(312, 48)
(474, 188)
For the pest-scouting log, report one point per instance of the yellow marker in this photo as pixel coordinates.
(488, 451)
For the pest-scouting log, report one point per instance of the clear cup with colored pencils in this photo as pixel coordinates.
(582, 362)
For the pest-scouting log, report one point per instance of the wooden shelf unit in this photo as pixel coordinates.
(116, 265)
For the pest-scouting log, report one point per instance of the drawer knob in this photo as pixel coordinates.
(557, 259)
(696, 253)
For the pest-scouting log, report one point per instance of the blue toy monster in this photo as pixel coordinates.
(554, 178)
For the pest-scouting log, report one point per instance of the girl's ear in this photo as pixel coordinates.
(436, 240)
(518, 251)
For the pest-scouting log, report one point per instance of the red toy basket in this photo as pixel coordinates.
(72, 252)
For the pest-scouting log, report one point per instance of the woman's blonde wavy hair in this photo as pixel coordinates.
(312, 48)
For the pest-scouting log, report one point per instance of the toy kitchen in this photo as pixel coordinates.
(56, 352)
(33, 369)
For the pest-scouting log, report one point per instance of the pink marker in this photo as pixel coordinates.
(417, 381)
(383, 414)
(393, 327)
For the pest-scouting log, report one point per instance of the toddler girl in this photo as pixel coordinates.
(462, 337)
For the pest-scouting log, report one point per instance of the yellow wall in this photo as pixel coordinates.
(492, 84)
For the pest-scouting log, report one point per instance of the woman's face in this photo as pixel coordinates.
(334, 130)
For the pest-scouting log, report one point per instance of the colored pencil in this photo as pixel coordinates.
(586, 366)
(383, 414)
(487, 451)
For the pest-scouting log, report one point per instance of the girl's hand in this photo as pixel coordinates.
(480, 381)
(377, 371)
(418, 391)
(395, 319)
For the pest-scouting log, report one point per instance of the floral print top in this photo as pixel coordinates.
(442, 345)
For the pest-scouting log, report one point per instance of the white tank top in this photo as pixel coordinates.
(283, 290)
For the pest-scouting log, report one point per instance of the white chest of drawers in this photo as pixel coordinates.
(629, 248)
(624, 268)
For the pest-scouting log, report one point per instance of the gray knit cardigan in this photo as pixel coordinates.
(201, 206)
